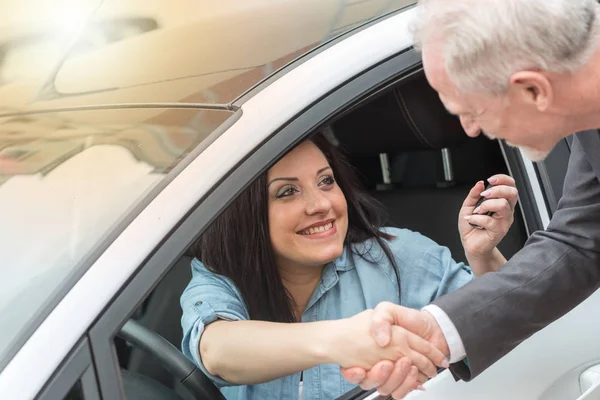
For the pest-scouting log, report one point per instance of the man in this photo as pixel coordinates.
(527, 71)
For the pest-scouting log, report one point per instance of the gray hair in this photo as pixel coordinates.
(484, 42)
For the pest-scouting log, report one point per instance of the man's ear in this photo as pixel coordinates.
(533, 88)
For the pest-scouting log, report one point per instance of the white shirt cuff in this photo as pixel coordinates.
(455, 344)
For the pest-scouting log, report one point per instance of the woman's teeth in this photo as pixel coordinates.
(317, 229)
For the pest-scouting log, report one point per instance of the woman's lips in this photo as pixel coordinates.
(320, 231)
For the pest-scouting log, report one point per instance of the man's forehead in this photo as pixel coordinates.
(435, 71)
(451, 106)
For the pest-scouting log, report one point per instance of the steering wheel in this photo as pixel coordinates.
(192, 378)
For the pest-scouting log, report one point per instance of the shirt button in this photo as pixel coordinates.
(198, 303)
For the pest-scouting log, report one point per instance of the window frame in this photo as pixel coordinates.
(551, 173)
(530, 209)
(77, 368)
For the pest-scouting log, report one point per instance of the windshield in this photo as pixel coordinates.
(191, 51)
(66, 181)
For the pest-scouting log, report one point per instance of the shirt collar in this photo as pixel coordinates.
(330, 275)
(345, 262)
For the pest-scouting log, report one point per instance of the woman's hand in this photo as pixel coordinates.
(501, 200)
(352, 345)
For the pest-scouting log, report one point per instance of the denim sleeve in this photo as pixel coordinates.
(427, 270)
(453, 275)
(208, 297)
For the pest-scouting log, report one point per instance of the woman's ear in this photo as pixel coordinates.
(533, 88)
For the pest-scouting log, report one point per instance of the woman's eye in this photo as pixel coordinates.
(327, 181)
(287, 191)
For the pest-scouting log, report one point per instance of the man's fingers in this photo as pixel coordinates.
(410, 383)
(354, 375)
(379, 374)
(423, 363)
(427, 349)
(404, 317)
(397, 377)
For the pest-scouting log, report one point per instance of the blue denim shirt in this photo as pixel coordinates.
(349, 285)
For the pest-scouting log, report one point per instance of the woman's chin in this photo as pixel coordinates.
(328, 255)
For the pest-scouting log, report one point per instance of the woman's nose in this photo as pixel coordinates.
(317, 203)
(471, 128)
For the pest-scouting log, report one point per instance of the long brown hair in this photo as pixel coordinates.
(237, 244)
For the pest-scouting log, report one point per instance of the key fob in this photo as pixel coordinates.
(481, 200)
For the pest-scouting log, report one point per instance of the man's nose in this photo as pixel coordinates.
(317, 202)
(471, 128)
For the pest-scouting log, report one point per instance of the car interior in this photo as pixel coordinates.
(411, 155)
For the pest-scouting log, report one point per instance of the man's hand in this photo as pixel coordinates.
(354, 345)
(421, 323)
(399, 378)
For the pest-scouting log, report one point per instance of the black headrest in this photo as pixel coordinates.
(408, 117)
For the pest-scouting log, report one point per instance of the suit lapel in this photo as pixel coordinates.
(590, 142)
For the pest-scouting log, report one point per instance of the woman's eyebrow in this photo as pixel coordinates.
(293, 178)
(323, 169)
(283, 178)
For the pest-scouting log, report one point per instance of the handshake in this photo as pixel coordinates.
(391, 348)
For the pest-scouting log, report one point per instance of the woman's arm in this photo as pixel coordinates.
(251, 352)
(483, 263)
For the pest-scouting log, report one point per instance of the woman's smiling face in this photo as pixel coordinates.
(308, 214)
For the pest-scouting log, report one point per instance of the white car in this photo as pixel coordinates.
(127, 126)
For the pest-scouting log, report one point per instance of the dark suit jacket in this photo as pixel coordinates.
(555, 271)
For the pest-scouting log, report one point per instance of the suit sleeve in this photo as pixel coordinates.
(555, 271)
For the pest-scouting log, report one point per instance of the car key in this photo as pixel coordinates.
(479, 202)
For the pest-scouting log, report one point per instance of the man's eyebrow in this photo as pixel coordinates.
(292, 178)
(445, 106)
(449, 110)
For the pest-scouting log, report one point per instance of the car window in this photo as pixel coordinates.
(189, 51)
(66, 181)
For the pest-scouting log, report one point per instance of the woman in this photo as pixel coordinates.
(304, 244)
